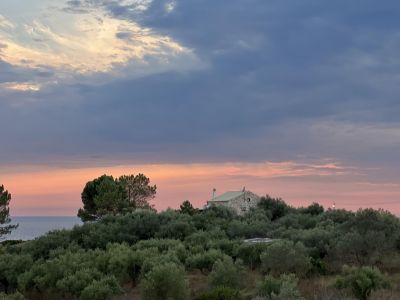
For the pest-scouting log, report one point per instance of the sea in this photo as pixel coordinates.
(32, 227)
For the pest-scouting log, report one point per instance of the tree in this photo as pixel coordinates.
(285, 257)
(204, 261)
(165, 281)
(282, 288)
(313, 209)
(367, 237)
(74, 284)
(362, 281)
(89, 193)
(108, 195)
(226, 273)
(5, 198)
(11, 266)
(139, 190)
(103, 289)
(187, 208)
(277, 208)
(111, 197)
(250, 253)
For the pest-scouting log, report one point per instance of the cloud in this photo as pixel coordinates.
(91, 46)
(84, 6)
(211, 81)
(5, 23)
(22, 86)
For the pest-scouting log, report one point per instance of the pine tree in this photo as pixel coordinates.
(5, 198)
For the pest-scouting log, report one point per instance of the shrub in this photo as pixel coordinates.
(221, 293)
(229, 247)
(363, 248)
(42, 246)
(187, 208)
(317, 240)
(75, 283)
(367, 237)
(250, 253)
(277, 208)
(15, 296)
(205, 260)
(226, 273)
(285, 257)
(176, 230)
(165, 281)
(152, 262)
(102, 289)
(362, 281)
(11, 266)
(282, 288)
(124, 263)
(214, 217)
(314, 209)
(203, 238)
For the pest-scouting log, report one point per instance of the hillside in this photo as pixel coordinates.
(192, 254)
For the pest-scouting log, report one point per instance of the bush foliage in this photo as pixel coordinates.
(158, 252)
(362, 281)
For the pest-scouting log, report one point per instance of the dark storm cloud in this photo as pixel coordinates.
(282, 80)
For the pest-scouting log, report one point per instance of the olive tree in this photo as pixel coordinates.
(226, 273)
(285, 257)
(362, 281)
(165, 281)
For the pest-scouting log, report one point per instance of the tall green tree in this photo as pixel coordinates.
(5, 198)
(138, 189)
(108, 195)
(111, 197)
(89, 193)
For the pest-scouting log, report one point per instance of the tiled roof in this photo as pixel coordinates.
(225, 197)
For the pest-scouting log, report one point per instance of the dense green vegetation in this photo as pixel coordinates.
(202, 254)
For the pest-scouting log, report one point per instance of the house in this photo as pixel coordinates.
(240, 201)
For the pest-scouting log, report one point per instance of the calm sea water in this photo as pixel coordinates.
(32, 227)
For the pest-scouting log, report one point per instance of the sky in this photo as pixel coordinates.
(295, 99)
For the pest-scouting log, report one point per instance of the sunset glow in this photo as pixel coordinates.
(58, 190)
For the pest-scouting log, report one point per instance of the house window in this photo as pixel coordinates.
(248, 199)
